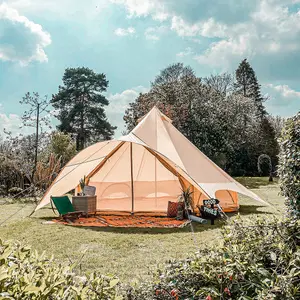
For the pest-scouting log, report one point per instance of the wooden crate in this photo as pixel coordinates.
(85, 203)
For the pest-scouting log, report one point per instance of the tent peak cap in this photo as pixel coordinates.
(156, 110)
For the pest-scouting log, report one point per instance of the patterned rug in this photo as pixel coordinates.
(126, 221)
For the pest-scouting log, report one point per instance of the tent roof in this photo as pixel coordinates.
(155, 132)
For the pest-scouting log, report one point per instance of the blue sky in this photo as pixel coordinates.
(132, 40)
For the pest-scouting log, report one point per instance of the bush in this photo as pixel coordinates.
(2, 190)
(289, 165)
(25, 274)
(257, 261)
(16, 192)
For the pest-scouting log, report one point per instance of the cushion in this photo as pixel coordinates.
(173, 208)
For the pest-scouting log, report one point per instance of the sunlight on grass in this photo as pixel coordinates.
(126, 252)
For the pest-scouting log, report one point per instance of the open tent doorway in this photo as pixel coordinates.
(134, 180)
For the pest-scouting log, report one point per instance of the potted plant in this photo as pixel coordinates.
(186, 198)
(82, 183)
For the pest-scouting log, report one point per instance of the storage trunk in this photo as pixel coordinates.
(85, 203)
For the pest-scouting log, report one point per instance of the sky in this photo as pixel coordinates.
(132, 40)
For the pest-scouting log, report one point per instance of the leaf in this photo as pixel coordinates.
(32, 289)
(113, 283)
(273, 256)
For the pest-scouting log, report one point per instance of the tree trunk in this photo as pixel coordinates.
(36, 140)
(82, 138)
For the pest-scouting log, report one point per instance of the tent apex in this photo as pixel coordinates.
(155, 109)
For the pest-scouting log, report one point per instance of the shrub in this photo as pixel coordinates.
(2, 190)
(16, 192)
(289, 164)
(257, 261)
(24, 274)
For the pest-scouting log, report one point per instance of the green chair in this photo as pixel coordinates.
(66, 209)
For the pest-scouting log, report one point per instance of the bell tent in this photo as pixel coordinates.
(142, 171)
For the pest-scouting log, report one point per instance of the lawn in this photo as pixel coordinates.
(128, 253)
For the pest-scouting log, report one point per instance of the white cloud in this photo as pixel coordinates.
(62, 9)
(10, 123)
(285, 91)
(139, 8)
(118, 103)
(209, 28)
(271, 30)
(187, 51)
(124, 31)
(154, 33)
(21, 40)
(283, 99)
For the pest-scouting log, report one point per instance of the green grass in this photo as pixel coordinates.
(255, 182)
(126, 252)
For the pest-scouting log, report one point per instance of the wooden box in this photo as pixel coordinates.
(85, 203)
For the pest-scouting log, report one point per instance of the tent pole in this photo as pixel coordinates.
(155, 182)
(131, 175)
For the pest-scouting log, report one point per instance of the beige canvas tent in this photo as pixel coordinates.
(142, 171)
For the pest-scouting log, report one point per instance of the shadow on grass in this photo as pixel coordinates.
(255, 182)
(250, 209)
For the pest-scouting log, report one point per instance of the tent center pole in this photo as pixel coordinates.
(131, 175)
(155, 175)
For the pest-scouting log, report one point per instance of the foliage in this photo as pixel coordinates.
(62, 146)
(59, 150)
(16, 192)
(47, 171)
(247, 85)
(289, 164)
(38, 112)
(221, 122)
(172, 91)
(258, 260)
(83, 182)
(277, 123)
(222, 83)
(186, 197)
(36, 116)
(25, 274)
(80, 106)
(17, 160)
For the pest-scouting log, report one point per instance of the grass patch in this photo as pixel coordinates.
(255, 182)
(129, 253)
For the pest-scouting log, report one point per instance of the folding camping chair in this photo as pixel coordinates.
(66, 209)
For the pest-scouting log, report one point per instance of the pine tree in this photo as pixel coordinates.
(80, 105)
(247, 85)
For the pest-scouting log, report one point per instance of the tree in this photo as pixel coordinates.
(173, 91)
(277, 123)
(247, 85)
(62, 146)
(222, 83)
(36, 117)
(222, 126)
(289, 164)
(80, 106)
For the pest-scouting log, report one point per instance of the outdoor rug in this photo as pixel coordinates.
(126, 221)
